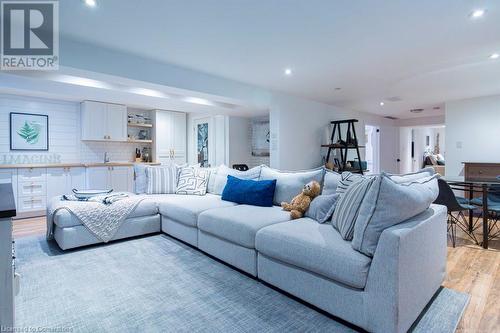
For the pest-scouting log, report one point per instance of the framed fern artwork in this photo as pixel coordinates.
(29, 131)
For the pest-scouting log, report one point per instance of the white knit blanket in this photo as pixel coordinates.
(102, 220)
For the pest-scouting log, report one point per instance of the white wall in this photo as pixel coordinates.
(240, 147)
(297, 124)
(64, 133)
(472, 132)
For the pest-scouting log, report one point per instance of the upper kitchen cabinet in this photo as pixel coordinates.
(169, 137)
(103, 121)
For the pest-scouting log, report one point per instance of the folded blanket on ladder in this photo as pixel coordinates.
(101, 217)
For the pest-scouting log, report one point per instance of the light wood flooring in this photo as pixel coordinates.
(470, 269)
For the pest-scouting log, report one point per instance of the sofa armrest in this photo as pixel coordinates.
(407, 269)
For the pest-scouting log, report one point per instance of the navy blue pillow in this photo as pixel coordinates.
(250, 192)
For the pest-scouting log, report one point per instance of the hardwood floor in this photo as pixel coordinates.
(470, 269)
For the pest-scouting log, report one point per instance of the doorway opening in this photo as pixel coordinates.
(372, 149)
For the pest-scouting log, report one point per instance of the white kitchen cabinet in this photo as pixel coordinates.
(103, 121)
(118, 178)
(169, 137)
(63, 180)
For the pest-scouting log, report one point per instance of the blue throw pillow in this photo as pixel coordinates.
(250, 192)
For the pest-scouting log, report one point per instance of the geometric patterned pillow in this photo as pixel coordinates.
(161, 179)
(347, 208)
(347, 179)
(193, 181)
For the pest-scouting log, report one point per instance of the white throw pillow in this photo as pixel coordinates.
(161, 179)
(224, 171)
(192, 181)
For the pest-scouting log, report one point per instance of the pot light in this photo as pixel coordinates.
(478, 13)
(382, 103)
(90, 3)
(288, 71)
(495, 56)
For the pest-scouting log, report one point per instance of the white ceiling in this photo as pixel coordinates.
(426, 52)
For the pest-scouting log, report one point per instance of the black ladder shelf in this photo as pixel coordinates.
(351, 142)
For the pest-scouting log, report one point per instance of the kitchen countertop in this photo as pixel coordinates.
(70, 165)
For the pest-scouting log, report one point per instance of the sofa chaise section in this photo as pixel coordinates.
(384, 294)
(229, 233)
(70, 233)
(180, 213)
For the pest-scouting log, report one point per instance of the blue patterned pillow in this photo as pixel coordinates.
(193, 181)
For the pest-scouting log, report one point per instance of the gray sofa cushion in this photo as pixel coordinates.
(315, 247)
(147, 207)
(425, 172)
(186, 208)
(347, 179)
(330, 182)
(388, 203)
(224, 171)
(240, 224)
(322, 207)
(289, 184)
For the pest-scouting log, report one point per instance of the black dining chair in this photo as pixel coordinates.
(240, 167)
(447, 198)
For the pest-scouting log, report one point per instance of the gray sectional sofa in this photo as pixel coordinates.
(383, 293)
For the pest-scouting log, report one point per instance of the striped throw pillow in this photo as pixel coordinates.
(347, 179)
(347, 208)
(161, 179)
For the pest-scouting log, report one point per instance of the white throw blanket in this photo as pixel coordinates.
(102, 220)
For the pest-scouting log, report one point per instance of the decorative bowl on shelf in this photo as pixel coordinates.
(85, 194)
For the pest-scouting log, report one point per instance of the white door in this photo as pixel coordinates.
(98, 178)
(121, 179)
(203, 141)
(94, 120)
(162, 151)
(57, 182)
(116, 122)
(372, 149)
(178, 137)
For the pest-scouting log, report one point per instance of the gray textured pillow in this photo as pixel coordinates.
(425, 172)
(388, 203)
(347, 209)
(223, 171)
(322, 207)
(330, 182)
(289, 184)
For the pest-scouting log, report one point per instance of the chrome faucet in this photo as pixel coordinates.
(106, 157)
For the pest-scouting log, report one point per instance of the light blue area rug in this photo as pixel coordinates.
(156, 284)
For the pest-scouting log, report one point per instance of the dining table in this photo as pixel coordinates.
(481, 187)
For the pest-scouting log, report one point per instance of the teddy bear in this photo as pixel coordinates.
(300, 203)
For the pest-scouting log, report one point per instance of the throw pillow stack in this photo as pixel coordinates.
(370, 204)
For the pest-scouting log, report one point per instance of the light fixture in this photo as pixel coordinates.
(495, 56)
(288, 71)
(477, 13)
(90, 3)
(382, 103)
(416, 110)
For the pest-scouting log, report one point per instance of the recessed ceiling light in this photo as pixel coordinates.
(382, 103)
(495, 56)
(90, 3)
(288, 71)
(477, 13)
